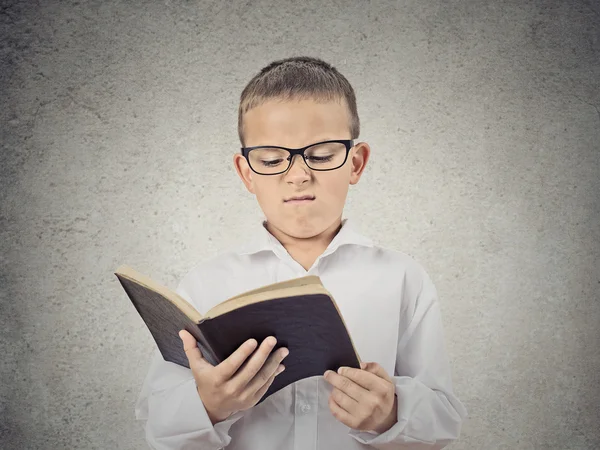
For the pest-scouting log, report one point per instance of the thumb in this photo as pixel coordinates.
(376, 369)
(193, 353)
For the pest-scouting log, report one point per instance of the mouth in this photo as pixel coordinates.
(300, 199)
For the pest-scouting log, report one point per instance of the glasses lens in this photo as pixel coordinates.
(269, 160)
(326, 156)
(330, 155)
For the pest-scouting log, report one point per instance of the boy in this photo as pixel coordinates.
(402, 398)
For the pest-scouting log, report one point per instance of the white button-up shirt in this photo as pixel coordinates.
(391, 309)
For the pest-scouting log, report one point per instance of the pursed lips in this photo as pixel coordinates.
(302, 199)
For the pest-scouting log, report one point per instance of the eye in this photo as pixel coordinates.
(267, 157)
(320, 158)
(325, 154)
(271, 163)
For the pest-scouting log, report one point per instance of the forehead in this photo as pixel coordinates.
(296, 123)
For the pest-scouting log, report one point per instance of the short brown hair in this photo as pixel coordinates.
(300, 77)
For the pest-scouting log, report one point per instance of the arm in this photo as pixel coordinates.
(174, 413)
(429, 415)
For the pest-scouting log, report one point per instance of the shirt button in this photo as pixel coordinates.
(305, 408)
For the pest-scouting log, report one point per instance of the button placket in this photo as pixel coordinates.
(305, 425)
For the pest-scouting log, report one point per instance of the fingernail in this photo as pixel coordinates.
(285, 352)
(280, 369)
(271, 340)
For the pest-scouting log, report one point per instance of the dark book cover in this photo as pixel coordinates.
(309, 325)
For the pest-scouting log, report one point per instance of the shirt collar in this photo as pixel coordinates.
(263, 240)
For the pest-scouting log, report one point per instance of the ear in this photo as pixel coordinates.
(243, 170)
(358, 161)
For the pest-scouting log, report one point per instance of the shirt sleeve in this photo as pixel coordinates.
(174, 413)
(429, 414)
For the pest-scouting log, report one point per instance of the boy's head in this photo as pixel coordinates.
(294, 103)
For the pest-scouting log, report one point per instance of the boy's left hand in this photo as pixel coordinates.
(363, 399)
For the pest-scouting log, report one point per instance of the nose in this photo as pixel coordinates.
(295, 164)
(298, 172)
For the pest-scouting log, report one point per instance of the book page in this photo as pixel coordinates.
(171, 296)
(261, 295)
(310, 279)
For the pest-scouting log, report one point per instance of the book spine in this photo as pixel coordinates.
(207, 351)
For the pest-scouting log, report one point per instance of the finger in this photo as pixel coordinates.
(345, 401)
(230, 365)
(376, 369)
(271, 366)
(255, 363)
(346, 385)
(341, 414)
(192, 352)
(366, 380)
(258, 395)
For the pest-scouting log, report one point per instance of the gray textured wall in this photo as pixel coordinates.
(118, 127)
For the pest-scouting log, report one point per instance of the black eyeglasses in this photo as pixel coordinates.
(272, 160)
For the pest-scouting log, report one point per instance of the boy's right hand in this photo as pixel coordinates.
(225, 392)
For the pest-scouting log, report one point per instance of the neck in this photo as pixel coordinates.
(309, 247)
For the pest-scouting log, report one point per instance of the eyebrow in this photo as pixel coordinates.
(312, 143)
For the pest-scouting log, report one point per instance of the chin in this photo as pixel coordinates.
(305, 226)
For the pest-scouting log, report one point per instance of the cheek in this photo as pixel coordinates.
(266, 194)
(335, 189)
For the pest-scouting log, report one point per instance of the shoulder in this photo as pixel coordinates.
(214, 267)
(411, 274)
(212, 280)
(396, 261)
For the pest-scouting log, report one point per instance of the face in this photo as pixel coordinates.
(296, 124)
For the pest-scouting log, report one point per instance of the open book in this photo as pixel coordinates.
(300, 313)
